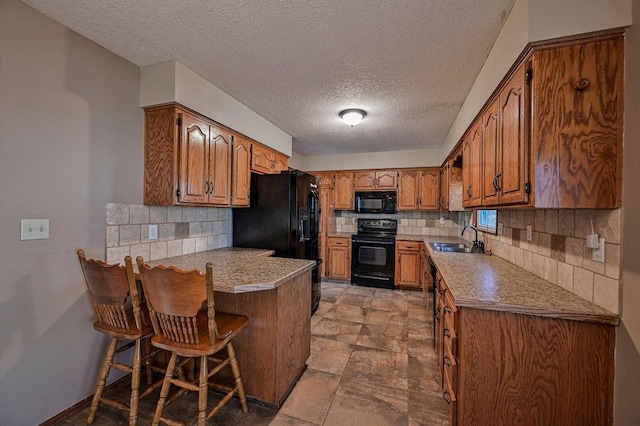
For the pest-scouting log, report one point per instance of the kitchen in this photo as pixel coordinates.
(57, 83)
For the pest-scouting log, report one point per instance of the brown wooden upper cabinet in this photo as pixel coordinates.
(266, 160)
(325, 179)
(343, 191)
(472, 166)
(551, 135)
(576, 130)
(375, 179)
(419, 189)
(444, 185)
(505, 152)
(187, 159)
(240, 172)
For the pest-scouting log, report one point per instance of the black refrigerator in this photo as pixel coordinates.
(283, 216)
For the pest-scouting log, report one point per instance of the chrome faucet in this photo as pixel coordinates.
(478, 246)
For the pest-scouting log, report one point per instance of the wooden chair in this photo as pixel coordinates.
(185, 322)
(121, 315)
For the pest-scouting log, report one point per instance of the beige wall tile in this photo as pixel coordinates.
(544, 244)
(574, 254)
(138, 214)
(174, 248)
(539, 225)
(566, 222)
(188, 214)
(519, 257)
(612, 260)
(140, 250)
(195, 229)
(117, 214)
(551, 221)
(538, 265)
(202, 214)
(529, 218)
(565, 276)
(188, 246)
(201, 244)
(117, 254)
(513, 219)
(583, 222)
(550, 270)
(520, 220)
(129, 234)
(534, 243)
(606, 293)
(174, 214)
(590, 264)
(113, 236)
(166, 231)
(223, 240)
(207, 228)
(157, 214)
(608, 225)
(527, 260)
(583, 283)
(158, 250)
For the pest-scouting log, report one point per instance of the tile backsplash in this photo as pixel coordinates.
(557, 251)
(414, 223)
(181, 230)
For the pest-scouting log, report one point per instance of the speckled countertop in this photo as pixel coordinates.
(488, 282)
(241, 270)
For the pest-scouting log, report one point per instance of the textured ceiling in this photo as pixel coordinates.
(408, 63)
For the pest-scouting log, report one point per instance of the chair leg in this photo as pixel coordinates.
(236, 375)
(202, 392)
(147, 350)
(166, 384)
(135, 384)
(106, 367)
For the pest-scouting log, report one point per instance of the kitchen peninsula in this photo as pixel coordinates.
(275, 294)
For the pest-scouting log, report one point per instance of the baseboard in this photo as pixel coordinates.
(58, 418)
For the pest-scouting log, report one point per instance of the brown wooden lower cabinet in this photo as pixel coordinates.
(502, 368)
(408, 265)
(339, 258)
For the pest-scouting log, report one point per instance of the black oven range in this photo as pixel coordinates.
(373, 253)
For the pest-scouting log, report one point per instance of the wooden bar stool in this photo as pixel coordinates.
(121, 315)
(185, 322)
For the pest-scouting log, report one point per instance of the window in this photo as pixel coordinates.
(487, 220)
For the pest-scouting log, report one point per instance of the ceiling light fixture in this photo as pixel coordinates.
(352, 116)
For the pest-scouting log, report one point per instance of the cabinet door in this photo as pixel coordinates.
(241, 172)
(466, 171)
(194, 163)
(339, 259)
(363, 181)
(261, 159)
(408, 189)
(386, 179)
(343, 192)
(490, 137)
(476, 165)
(513, 152)
(408, 264)
(325, 180)
(577, 94)
(429, 189)
(280, 162)
(444, 186)
(219, 166)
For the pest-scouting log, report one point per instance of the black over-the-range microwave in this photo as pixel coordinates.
(376, 202)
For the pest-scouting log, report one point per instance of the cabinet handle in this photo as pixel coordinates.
(446, 332)
(206, 187)
(469, 191)
(447, 309)
(582, 84)
(447, 397)
(497, 184)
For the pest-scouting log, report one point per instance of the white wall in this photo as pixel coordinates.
(193, 91)
(627, 379)
(71, 140)
(371, 160)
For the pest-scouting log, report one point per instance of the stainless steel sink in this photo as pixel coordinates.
(451, 247)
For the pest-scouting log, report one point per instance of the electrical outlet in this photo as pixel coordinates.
(598, 253)
(529, 232)
(153, 232)
(500, 228)
(441, 220)
(34, 229)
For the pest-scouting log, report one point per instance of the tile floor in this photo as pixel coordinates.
(372, 363)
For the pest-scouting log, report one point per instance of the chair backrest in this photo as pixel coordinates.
(176, 301)
(110, 287)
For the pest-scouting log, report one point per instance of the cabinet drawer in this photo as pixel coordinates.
(408, 245)
(340, 242)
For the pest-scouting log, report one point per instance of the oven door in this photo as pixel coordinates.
(373, 262)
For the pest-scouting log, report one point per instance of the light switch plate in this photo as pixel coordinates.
(34, 229)
(153, 232)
